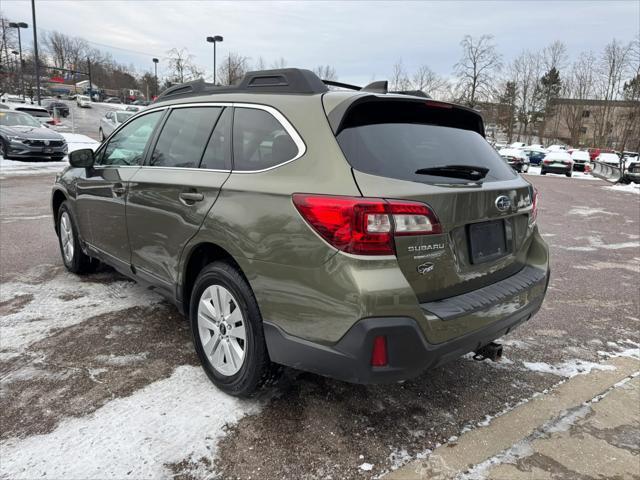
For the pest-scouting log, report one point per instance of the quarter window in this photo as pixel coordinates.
(126, 147)
(259, 140)
(184, 137)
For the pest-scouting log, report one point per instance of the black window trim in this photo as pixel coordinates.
(279, 116)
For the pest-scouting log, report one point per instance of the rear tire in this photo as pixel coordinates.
(227, 332)
(75, 260)
(542, 172)
(569, 173)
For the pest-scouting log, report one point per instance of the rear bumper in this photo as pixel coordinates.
(409, 353)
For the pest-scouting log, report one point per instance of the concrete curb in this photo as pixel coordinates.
(482, 443)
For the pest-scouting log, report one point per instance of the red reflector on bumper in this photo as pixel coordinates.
(379, 352)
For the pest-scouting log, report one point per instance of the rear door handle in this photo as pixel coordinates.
(189, 198)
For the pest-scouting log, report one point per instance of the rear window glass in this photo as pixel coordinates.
(398, 138)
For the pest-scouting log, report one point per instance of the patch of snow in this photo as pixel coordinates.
(630, 188)
(61, 302)
(180, 417)
(366, 467)
(398, 458)
(585, 211)
(120, 360)
(567, 369)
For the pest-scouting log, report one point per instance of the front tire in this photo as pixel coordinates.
(542, 172)
(568, 174)
(73, 257)
(227, 331)
(3, 149)
(525, 168)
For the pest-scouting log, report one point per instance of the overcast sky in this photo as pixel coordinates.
(360, 39)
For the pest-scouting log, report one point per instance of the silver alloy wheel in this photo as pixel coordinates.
(66, 237)
(222, 330)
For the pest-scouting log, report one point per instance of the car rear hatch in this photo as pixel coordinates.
(435, 153)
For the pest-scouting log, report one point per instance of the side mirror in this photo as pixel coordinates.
(81, 158)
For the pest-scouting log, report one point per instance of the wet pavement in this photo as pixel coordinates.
(73, 349)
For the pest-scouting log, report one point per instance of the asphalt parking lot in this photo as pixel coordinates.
(99, 379)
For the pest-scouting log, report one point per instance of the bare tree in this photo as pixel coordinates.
(477, 68)
(279, 63)
(579, 86)
(525, 71)
(428, 81)
(181, 66)
(555, 56)
(326, 72)
(233, 68)
(612, 69)
(260, 64)
(399, 77)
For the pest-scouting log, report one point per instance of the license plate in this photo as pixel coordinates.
(487, 241)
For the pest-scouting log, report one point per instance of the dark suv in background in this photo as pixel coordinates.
(363, 235)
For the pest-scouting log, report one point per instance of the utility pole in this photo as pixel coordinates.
(90, 83)
(35, 49)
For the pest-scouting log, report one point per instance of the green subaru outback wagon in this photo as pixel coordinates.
(360, 234)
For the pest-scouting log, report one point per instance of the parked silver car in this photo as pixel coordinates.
(111, 121)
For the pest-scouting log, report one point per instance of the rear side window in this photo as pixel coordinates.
(184, 137)
(260, 141)
(396, 139)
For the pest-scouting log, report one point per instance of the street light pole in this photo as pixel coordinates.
(15, 66)
(18, 26)
(35, 49)
(155, 67)
(215, 39)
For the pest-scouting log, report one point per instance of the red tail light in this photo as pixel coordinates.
(365, 226)
(379, 352)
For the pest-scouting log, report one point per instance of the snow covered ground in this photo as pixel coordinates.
(631, 188)
(75, 141)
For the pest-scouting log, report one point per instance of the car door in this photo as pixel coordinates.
(100, 190)
(170, 196)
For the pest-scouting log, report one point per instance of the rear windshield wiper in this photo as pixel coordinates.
(467, 172)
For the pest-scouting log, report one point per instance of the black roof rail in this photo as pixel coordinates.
(284, 80)
(348, 86)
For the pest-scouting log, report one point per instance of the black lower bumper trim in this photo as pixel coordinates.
(408, 351)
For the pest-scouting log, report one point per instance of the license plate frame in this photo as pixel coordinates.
(487, 241)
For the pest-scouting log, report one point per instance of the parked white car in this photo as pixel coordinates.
(83, 101)
(581, 160)
(609, 159)
(536, 146)
(557, 162)
(112, 120)
(39, 113)
(516, 158)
